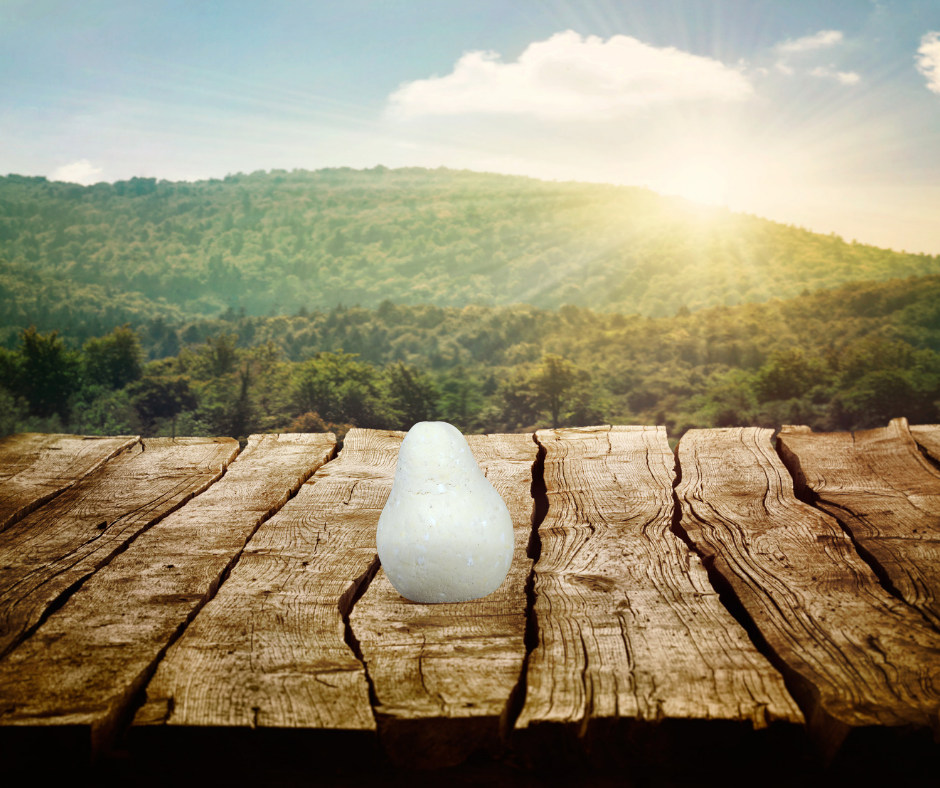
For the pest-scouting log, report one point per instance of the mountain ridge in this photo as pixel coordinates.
(277, 242)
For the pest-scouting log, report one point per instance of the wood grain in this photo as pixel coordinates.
(886, 493)
(82, 668)
(443, 675)
(269, 650)
(928, 438)
(35, 468)
(630, 629)
(854, 656)
(50, 552)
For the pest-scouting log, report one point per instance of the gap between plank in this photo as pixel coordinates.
(810, 497)
(139, 691)
(516, 697)
(43, 500)
(539, 493)
(345, 609)
(533, 552)
(729, 599)
(69, 592)
(362, 584)
(931, 461)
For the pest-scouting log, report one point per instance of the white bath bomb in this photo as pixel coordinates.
(445, 535)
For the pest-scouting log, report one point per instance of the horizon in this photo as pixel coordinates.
(820, 115)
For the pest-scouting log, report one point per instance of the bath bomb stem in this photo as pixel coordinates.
(445, 534)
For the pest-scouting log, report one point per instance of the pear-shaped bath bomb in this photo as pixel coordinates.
(445, 535)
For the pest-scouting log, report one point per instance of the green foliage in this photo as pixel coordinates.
(844, 359)
(729, 400)
(220, 354)
(789, 374)
(157, 398)
(461, 400)
(339, 389)
(102, 411)
(114, 360)
(84, 259)
(13, 412)
(45, 373)
(881, 393)
(554, 383)
(412, 395)
(493, 302)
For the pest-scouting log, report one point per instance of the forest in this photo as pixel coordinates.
(846, 358)
(84, 259)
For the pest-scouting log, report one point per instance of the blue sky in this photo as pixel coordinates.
(823, 114)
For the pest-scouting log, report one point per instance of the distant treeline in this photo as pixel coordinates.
(83, 259)
(849, 358)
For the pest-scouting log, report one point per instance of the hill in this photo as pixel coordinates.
(82, 259)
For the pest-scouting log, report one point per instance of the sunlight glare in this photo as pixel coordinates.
(700, 181)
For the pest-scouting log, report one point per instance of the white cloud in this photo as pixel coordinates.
(843, 77)
(928, 60)
(820, 40)
(81, 171)
(570, 77)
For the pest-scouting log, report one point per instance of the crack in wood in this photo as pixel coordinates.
(36, 469)
(283, 611)
(363, 583)
(885, 496)
(105, 674)
(818, 630)
(445, 678)
(56, 599)
(632, 635)
(538, 491)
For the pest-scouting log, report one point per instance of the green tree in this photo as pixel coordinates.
(461, 400)
(872, 354)
(222, 354)
(554, 383)
(789, 374)
(10, 368)
(412, 395)
(114, 360)
(586, 407)
(242, 410)
(729, 400)
(102, 411)
(161, 398)
(519, 405)
(12, 412)
(882, 395)
(340, 389)
(49, 373)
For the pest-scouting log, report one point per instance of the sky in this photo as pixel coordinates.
(822, 114)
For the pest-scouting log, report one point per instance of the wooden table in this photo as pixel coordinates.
(735, 602)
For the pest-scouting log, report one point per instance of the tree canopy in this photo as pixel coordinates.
(84, 259)
(849, 358)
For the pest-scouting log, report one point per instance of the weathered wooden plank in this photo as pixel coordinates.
(48, 553)
(83, 666)
(886, 493)
(269, 650)
(35, 468)
(630, 629)
(928, 437)
(443, 675)
(854, 656)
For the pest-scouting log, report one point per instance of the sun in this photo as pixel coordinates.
(701, 181)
